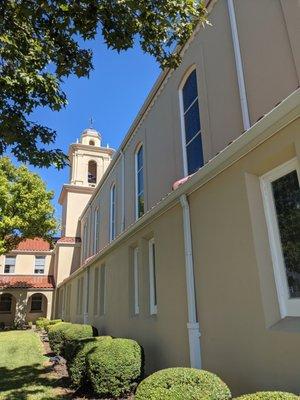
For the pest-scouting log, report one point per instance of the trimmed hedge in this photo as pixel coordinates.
(114, 367)
(182, 383)
(61, 336)
(77, 365)
(56, 336)
(41, 322)
(269, 396)
(51, 323)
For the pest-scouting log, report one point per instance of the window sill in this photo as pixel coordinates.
(287, 324)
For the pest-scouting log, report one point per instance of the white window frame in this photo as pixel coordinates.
(288, 307)
(182, 114)
(37, 267)
(10, 265)
(137, 194)
(102, 290)
(152, 277)
(96, 230)
(112, 212)
(136, 280)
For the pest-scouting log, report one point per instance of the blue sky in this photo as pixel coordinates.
(113, 94)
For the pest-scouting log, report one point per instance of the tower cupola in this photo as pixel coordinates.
(91, 137)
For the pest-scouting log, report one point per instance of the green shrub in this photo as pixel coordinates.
(56, 336)
(41, 323)
(182, 383)
(52, 322)
(77, 364)
(269, 396)
(114, 367)
(63, 333)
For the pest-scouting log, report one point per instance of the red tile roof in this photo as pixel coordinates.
(69, 239)
(36, 244)
(26, 282)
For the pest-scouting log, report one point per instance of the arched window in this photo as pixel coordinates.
(112, 213)
(5, 303)
(36, 302)
(191, 126)
(139, 182)
(92, 172)
(91, 143)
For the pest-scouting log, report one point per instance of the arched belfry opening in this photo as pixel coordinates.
(92, 172)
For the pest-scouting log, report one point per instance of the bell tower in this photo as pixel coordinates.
(88, 162)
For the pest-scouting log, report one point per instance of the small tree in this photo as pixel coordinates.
(39, 46)
(25, 206)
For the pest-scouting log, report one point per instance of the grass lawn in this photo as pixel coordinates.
(24, 373)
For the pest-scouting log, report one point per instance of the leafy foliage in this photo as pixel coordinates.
(182, 383)
(114, 367)
(269, 396)
(77, 364)
(39, 46)
(25, 206)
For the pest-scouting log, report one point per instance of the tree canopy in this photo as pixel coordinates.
(25, 206)
(41, 44)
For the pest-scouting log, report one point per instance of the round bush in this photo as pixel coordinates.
(50, 323)
(114, 367)
(182, 383)
(77, 364)
(73, 333)
(56, 336)
(269, 396)
(41, 323)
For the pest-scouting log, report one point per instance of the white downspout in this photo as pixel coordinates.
(86, 297)
(123, 193)
(239, 65)
(192, 325)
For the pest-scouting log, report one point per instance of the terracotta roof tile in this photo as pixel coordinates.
(69, 239)
(36, 244)
(26, 282)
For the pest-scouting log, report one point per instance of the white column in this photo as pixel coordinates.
(192, 325)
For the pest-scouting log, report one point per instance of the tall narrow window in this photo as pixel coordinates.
(136, 280)
(10, 263)
(139, 182)
(282, 208)
(39, 265)
(96, 230)
(92, 172)
(36, 302)
(96, 290)
(191, 126)
(85, 242)
(152, 277)
(68, 299)
(102, 290)
(112, 213)
(79, 295)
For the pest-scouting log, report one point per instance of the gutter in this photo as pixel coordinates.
(280, 116)
(239, 65)
(192, 325)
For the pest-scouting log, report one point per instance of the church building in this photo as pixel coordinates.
(187, 237)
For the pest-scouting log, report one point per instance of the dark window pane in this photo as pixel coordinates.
(154, 274)
(192, 122)
(140, 205)
(5, 303)
(287, 202)
(194, 155)
(189, 91)
(139, 158)
(140, 179)
(36, 303)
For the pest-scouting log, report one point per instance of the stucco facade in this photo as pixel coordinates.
(192, 271)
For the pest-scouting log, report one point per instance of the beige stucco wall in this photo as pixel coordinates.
(21, 306)
(242, 337)
(268, 33)
(25, 262)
